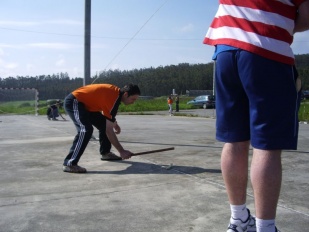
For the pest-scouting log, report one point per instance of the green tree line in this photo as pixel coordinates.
(159, 81)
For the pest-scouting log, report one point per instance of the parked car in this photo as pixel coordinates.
(203, 101)
(305, 94)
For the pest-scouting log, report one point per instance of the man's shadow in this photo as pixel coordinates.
(149, 168)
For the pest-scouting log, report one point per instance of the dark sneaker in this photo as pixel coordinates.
(240, 226)
(277, 230)
(74, 169)
(110, 156)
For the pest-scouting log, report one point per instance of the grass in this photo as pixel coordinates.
(303, 113)
(141, 106)
(17, 107)
(155, 104)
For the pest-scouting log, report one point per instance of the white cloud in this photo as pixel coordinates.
(2, 45)
(30, 67)
(60, 62)
(64, 22)
(46, 45)
(187, 28)
(11, 65)
(76, 72)
(18, 23)
(7, 68)
(99, 46)
(35, 23)
(7, 65)
(114, 66)
(51, 45)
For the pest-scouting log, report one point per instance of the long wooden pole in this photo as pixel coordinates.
(153, 151)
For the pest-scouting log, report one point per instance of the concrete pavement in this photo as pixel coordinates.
(136, 195)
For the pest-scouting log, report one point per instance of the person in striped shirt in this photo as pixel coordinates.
(257, 100)
(97, 105)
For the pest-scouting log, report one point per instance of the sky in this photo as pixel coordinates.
(46, 37)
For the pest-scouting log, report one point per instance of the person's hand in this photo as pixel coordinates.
(125, 154)
(117, 128)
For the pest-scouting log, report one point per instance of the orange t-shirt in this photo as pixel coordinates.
(169, 101)
(100, 97)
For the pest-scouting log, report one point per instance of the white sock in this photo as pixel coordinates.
(265, 225)
(239, 212)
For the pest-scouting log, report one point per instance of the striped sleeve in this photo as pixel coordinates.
(264, 27)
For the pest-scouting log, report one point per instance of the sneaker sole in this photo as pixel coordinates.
(67, 169)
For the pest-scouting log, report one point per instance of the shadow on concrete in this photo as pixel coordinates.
(172, 144)
(149, 168)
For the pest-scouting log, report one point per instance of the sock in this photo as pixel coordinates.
(239, 212)
(265, 225)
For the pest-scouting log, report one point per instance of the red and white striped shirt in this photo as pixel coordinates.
(263, 27)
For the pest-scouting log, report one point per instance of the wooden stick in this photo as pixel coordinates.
(153, 151)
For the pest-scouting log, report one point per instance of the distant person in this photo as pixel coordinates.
(53, 111)
(257, 98)
(177, 103)
(170, 105)
(97, 105)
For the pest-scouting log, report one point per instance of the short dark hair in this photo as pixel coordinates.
(131, 89)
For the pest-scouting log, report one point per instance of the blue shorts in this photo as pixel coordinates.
(257, 100)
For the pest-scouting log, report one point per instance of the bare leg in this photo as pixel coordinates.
(234, 165)
(266, 177)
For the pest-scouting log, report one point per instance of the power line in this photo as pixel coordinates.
(119, 52)
(38, 32)
(119, 38)
(93, 36)
(135, 34)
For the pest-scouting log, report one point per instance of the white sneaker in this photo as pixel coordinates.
(242, 226)
(74, 169)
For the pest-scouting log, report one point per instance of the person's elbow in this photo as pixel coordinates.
(302, 20)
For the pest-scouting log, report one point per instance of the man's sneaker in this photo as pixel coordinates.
(109, 156)
(277, 230)
(242, 226)
(74, 169)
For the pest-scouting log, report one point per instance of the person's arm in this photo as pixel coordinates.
(302, 20)
(111, 134)
(61, 115)
(58, 107)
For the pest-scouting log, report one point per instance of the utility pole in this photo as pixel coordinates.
(87, 45)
